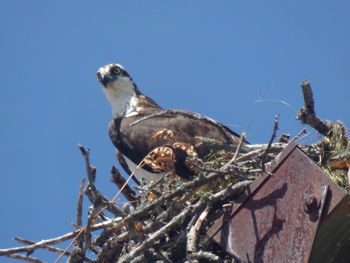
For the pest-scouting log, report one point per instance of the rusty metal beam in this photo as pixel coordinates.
(277, 218)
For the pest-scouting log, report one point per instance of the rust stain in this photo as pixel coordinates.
(276, 220)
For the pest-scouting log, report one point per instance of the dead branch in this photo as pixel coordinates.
(120, 181)
(91, 172)
(95, 196)
(100, 201)
(25, 258)
(80, 204)
(56, 240)
(48, 248)
(217, 145)
(273, 136)
(307, 114)
(206, 255)
(77, 254)
(192, 236)
(296, 137)
(124, 165)
(240, 144)
(40, 244)
(87, 234)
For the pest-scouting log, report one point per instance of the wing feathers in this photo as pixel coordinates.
(132, 135)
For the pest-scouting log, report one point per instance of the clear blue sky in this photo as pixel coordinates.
(212, 57)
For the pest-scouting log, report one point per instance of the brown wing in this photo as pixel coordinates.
(132, 135)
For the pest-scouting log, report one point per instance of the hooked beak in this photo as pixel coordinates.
(102, 79)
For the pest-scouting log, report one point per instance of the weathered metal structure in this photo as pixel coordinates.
(292, 213)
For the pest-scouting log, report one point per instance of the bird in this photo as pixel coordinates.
(137, 120)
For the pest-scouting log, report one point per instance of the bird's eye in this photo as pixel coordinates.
(116, 70)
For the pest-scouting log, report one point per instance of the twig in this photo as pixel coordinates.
(234, 189)
(89, 168)
(96, 198)
(80, 204)
(119, 180)
(217, 145)
(44, 243)
(48, 248)
(25, 258)
(241, 140)
(307, 113)
(273, 136)
(87, 236)
(275, 148)
(303, 131)
(39, 244)
(139, 259)
(206, 255)
(125, 166)
(192, 235)
(112, 246)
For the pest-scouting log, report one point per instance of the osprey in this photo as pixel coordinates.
(137, 119)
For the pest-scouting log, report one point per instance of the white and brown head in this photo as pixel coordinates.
(122, 93)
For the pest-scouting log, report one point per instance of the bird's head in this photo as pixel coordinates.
(118, 86)
(115, 81)
(122, 92)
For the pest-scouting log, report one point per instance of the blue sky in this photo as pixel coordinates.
(213, 57)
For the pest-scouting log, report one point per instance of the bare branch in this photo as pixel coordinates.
(303, 131)
(192, 235)
(216, 145)
(48, 248)
(98, 200)
(241, 140)
(95, 197)
(30, 242)
(206, 255)
(39, 244)
(307, 114)
(56, 240)
(80, 204)
(124, 165)
(87, 237)
(120, 181)
(89, 169)
(273, 136)
(25, 258)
